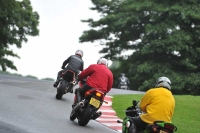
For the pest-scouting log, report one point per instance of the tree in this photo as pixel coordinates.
(17, 20)
(163, 34)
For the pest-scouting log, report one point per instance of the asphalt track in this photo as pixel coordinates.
(29, 106)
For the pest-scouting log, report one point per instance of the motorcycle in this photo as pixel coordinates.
(87, 109)
(123, 84)
(156, 127)
(66, 83)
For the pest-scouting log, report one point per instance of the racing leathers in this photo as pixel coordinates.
(74, 63)
(158, 105)
(98, 76)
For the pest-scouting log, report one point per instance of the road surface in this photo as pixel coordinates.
(29, 106)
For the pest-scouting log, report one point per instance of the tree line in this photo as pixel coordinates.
(163, 36)
(17, 21)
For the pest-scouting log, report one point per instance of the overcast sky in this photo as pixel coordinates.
(60, 28)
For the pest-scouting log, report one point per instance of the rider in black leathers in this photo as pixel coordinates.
(123, 78)
(74, 63)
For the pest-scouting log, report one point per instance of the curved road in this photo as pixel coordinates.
(29, 106)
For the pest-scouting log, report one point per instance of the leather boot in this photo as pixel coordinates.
(78, 95)
(71, 86)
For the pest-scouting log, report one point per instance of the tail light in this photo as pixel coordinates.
(170, 126)
(98, 94)
(87, 93)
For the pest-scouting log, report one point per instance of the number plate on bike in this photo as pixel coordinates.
(161, 131)
(95, 102)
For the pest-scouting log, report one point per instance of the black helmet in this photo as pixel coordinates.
(79, 52)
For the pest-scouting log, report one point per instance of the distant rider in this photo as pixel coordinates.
(157, 104)
(98, 76)
(74, 63)
(123, 81)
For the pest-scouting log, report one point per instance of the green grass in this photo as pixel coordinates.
(186, 116)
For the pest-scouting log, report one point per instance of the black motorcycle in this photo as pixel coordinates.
(66, 83)
(156, 127)
(87, 109)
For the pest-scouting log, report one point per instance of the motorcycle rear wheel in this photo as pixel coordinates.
(83, 121)
(59, 95)
(59, 91)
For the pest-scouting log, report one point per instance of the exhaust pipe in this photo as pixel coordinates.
(78, 106)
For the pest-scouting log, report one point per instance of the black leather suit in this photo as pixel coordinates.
(74, 63)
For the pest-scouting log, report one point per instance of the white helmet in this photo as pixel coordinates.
(79, 52)
(164, 82)
(103, 61)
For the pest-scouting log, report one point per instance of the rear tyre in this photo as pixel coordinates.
(83, 121)
(59, 95)
(59, 91)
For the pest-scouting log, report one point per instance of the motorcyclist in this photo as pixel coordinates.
(97, 76)
(123, 80)
(74, 63)
(157, 104)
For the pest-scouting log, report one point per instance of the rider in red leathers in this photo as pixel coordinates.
(97, 76)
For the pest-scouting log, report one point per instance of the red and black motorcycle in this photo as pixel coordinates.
(66, 83)
(87, 109)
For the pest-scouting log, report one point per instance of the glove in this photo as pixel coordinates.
(62, 67)
(138, 104)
